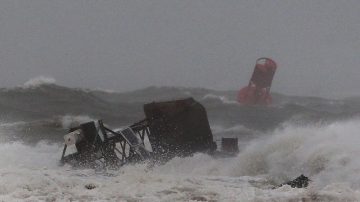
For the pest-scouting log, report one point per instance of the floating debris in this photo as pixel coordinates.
(300, 182)
(90, 186)
(173, 128)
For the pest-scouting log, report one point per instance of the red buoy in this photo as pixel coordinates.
(258, 90)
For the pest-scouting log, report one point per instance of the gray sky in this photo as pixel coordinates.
(130, 44)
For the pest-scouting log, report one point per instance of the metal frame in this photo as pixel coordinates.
(115, 149)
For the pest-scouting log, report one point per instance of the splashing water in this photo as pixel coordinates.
(38, 81)
(271, 152)
(326, 153)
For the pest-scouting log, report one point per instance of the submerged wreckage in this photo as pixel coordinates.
(172, 128)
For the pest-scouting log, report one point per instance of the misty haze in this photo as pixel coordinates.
(127, 45)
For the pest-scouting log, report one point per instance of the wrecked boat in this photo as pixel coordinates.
(171, 128)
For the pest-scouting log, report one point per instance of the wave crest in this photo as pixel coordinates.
(39, 81)
(327, 153)
(221, 98)
(69, 121)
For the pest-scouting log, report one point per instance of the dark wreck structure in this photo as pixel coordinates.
(171, 128)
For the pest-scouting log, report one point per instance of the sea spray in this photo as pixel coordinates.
(320, 140)
(326, 153)
(69, 121)
(38, 81)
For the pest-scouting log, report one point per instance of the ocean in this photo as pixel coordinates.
(313, 136)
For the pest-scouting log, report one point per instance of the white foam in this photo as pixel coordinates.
(223, 99)
(19, 155)
(110, 91)
(328, 154)
(218, 129)
(69, 121)
(38, 81)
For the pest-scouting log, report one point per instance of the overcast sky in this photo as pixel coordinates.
(130, 44)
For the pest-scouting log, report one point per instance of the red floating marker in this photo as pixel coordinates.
(258, 90)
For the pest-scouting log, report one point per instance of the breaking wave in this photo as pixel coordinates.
(69, 121)
(298, 135)
(223, 99)
(327, 153)
(38, 81)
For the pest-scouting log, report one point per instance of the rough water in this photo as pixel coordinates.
(316, 137)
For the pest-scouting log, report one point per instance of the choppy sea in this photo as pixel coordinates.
(317, 137)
